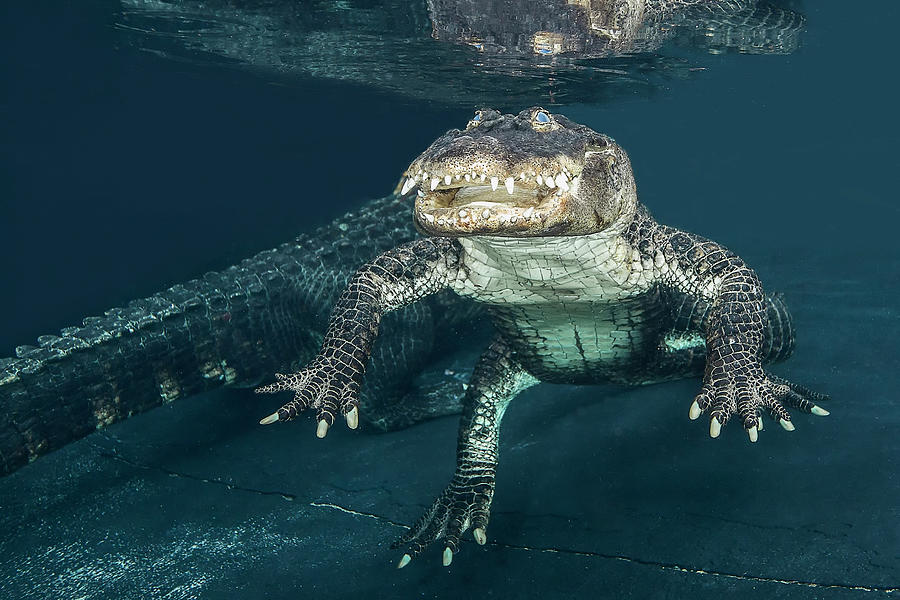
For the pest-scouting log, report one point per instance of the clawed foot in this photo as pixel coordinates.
(749, 392)
(320, 385)
(464, 504)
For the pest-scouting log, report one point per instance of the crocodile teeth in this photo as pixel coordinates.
(434, 183)
(483, 176)
(527, 214)
(407, 186)
(549, 182)
(421, 194)
(485, 214)
(429, 218)
(540, 180)
(510, 185)
(468, 178)
(495, 181)
(562, 182)
(447, 179)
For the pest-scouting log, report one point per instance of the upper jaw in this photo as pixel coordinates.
(466, 200)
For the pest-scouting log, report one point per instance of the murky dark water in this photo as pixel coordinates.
(148, 142)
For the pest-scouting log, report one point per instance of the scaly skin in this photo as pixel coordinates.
(229, 328)
(537, 218)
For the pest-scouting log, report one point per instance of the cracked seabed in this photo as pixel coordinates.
(125, 172)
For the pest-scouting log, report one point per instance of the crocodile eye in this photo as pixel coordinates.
(542, 121)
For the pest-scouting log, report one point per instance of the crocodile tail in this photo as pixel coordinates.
(745, 26)
(778, 343)
(233, 327)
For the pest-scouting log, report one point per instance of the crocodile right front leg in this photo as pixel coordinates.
(497, 379)
(397, 278)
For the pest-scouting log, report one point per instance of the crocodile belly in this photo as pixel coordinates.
(583, 342)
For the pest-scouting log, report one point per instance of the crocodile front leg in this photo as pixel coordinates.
(734, 380)
(497, 379)
(397, 278)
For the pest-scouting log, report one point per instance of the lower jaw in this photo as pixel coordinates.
(483, 218)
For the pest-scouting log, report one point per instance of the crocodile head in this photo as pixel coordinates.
(526, 175)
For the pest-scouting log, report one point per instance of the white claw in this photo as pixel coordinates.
(322, 429)
(447, 179)
(759, 421)
(495, 181)
(787, 425)
(753, 432)
(408, 185)
(819, 411)
(528, 212)
(562, 182)
(447, 558)
(270, 419)
(510, 185)
(549, 181)
(434, 183)
(480, 536)
(695, 411)
(404, 560)
(352, 418)
(540, 180)
(715, 428)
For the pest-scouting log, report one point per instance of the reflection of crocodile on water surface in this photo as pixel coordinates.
(511, 51)
(537, 218)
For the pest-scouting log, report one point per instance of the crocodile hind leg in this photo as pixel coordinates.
(682, 353)
(466, 502)
(437, 390)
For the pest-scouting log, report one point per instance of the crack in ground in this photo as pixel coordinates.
(112, 454)
(695, 571)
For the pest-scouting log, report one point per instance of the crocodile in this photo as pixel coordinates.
(536, 218)
(229, 328)
(511, 51)
(236, 326)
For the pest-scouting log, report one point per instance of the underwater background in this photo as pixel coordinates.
(145, 143)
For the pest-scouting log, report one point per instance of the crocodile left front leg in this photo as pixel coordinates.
(466, 502)
(734, 381)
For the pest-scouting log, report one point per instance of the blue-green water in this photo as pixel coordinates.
(145, 143)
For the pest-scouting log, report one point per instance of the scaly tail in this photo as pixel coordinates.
(234, 327)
